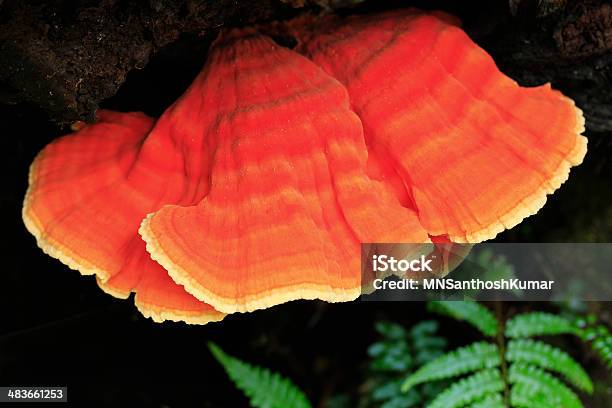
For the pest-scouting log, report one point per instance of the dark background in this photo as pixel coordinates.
(58, 328)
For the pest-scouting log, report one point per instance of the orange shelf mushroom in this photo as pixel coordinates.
(88, 193)
(476, 152)
(289, 200)
(259, 184)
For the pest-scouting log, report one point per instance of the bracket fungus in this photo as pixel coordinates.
(477, 152)
(89, 192)
(258, 185)
(289, 200)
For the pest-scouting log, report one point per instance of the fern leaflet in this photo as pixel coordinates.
(543, 355)
(598, 337)
(525, 396)
(264, 388)
(470, 389)
(472, 312)
(537, 380)
(539, 324)
(474, 357)
(492, 401)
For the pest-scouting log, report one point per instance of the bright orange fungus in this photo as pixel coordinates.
(259, 184)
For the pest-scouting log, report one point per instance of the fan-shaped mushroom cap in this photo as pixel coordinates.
(477, 152)
(289, 200)
(88, 193)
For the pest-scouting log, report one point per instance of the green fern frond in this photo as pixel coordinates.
(390, 330)
(470, 389)
(543, 355)
(524, 396)
(602, 344)
(536, 380)
(474, 357)
(426, 344)
(539, 324)
(472, 312)
(264, 388)
(492, 401)
(598, 337)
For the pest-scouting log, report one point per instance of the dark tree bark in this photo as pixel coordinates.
(567, 43)
(67, 56)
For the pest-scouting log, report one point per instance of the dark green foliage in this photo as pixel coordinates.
(426, 345)
(597, 336)
(476, 356)
(548, 357)
(492, 401)
(391, 353)
(470, 389)
(520, 379)
(539, 324)
(523, 396)
(472, 312)
(539, 381)
(389, 395)
(264, 388)
(545, 324)
(398, 353)
(408, 367)
(601, 341)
